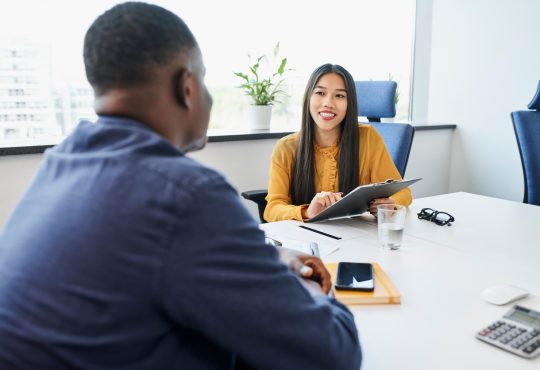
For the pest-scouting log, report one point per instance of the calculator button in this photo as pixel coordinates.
(531, 347)
(515, 336)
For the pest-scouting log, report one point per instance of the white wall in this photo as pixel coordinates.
(430, 160)
(245, 164)
(484, 63)
(16, 172)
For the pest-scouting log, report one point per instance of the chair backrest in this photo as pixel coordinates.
(398, 138)
(376, 100)
(527, 129)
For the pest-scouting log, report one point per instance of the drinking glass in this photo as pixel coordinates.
(391, 221)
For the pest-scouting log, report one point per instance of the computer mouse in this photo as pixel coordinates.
(502, 294)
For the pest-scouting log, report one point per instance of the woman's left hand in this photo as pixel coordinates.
(375, 202)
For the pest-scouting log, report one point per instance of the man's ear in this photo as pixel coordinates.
(182, 88)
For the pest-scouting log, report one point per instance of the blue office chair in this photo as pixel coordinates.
(376, 100)
(398, 138)
(527, 129)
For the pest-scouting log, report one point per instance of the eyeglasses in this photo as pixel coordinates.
(440, 218)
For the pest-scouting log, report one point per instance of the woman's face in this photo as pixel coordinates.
(328, 103)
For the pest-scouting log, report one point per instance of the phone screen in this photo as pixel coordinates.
(355, 276)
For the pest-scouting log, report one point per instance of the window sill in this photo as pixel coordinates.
(216, 136)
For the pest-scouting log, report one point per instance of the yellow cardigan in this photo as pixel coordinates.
(376, 165)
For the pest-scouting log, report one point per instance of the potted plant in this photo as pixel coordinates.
(263, 92)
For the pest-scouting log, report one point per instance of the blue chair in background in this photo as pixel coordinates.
(527, 129)
(376, 100)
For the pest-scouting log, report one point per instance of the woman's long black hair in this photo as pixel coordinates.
(303, 167)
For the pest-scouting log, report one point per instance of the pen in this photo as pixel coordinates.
(314, 247)
(272, 241)
(320, 232)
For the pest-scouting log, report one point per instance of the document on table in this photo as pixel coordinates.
(297, 235)
(343, 229)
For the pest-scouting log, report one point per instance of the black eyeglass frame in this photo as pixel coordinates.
(425, 215)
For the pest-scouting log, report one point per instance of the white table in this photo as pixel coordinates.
(440, 272)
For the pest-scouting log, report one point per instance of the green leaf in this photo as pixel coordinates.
(263, 90)
(281, 68)
(241, 75)
(254, 71)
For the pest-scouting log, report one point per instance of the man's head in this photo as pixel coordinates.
(143, 62)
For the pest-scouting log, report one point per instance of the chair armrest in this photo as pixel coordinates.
(255, 195)
(259, 197)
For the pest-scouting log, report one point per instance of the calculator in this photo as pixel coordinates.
(518, 331)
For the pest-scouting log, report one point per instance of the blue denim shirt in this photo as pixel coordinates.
(126, 254)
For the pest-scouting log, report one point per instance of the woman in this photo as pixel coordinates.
(330, 156)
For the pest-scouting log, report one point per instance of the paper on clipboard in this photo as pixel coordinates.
(357, 201)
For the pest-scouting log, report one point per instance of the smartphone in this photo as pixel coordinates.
(355, 276)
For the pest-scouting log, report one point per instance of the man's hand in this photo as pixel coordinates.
(375, 202)
(307, 266)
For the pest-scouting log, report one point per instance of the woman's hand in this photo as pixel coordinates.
(375, 202)
(308, 267)
(320, 202)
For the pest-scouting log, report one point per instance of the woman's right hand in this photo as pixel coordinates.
(320, 202)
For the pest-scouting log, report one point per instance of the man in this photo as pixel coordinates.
(126, 254)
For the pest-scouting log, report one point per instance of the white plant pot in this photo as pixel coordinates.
(259, 117)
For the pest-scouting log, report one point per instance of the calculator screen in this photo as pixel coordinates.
(525, 317)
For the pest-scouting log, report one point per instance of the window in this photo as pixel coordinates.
(46, 82)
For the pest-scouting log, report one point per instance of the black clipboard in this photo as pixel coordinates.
(357, 201)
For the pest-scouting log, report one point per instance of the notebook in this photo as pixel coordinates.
(385, 291)
(357, 201)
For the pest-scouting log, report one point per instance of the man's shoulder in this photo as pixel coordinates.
(131, 152)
